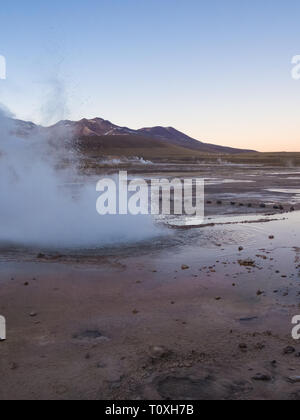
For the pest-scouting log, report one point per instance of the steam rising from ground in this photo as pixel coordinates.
(38, 208)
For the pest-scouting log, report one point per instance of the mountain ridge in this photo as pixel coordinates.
(99, 127)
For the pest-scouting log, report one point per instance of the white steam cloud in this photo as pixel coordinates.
(38, 208)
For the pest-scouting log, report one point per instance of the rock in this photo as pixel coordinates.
(233, 203)
(261, 377)
(159, 352)
(262, 206)
(247, 263)
(13, 366)
(248, 319)
(185, 267)
(292, 208)
(259, 293)
(294, 379)
(218, 298)
(243, 346)
(249, 205)
(101, 365)
(40, 255)
(219, 202)
(26, 283)
(241, 248)
(135, 312)
(33, 314)
(271, 237)
(289, 350)
(88, 335)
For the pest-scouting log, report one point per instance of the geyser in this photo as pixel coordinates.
(38, 208)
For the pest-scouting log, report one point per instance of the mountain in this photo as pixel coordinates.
(177, 138)
(103, 134)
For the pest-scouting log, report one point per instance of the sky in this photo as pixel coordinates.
(220, 71)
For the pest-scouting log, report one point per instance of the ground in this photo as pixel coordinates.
(201, 313)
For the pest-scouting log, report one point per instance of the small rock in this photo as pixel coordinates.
(185, 267)
(247, 263)
(13, 366)
(243, 346)
(294, 379)
(241, 248)
(289, 350)
(262, 377)
(159, 352)
(33, 314)
(101, 365)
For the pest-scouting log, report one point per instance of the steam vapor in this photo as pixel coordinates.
(38, 206)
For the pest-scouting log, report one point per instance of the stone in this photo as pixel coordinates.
(261, 377)
(289, 350)
(294, 379)
(158, 352)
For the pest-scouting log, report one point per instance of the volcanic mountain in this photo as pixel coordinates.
(101, 136)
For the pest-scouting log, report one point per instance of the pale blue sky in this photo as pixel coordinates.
(218, 70)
